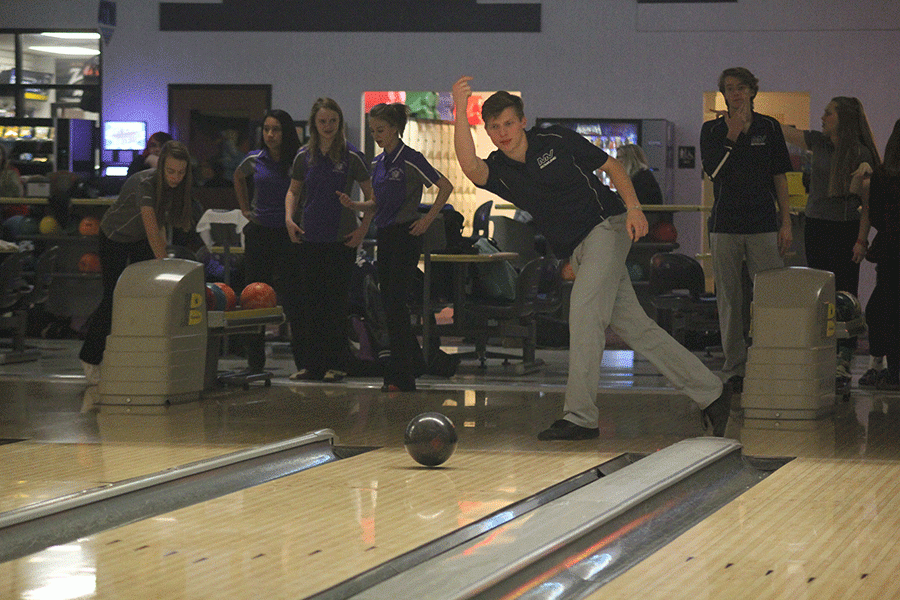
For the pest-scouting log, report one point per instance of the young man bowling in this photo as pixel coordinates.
(550, 173)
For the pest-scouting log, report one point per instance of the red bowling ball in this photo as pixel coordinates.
(230, 296)
(258, 295)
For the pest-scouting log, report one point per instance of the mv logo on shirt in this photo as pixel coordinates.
(545, 159)
(395, 174)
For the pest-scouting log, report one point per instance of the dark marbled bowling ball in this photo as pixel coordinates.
(430, 439)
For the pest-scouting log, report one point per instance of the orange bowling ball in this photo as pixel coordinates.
(258, 295)
(230, 296)
(89, 226)
(89, 263)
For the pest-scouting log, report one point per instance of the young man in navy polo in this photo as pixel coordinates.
(550, 174)
(745, 155)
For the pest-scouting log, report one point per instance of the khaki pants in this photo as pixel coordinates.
(603, 296)
(729, 251)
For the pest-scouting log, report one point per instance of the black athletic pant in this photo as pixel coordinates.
(325, 270)
(398, 259)
(114, 257)
(271, 257)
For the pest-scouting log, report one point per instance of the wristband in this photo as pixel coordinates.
(630, 208)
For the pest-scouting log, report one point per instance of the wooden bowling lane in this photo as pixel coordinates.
(63, 519)
(297, 535)
(815, 528)
(33, 472)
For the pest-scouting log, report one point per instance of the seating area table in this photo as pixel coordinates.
(460, 264)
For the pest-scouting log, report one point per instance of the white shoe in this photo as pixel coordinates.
(91, 373)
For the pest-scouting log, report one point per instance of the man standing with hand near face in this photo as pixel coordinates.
(745, 155)
(550, 173)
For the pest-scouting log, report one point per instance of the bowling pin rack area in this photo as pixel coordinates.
(571, 537)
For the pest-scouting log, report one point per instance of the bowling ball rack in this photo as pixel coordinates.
(234, 322)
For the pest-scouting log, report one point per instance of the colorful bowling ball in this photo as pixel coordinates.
(430, 439)
(50, 226)
(567, 273)
(215, 297)
(89, 226)
(258, 295)
(664, 233)
(230, 296)
(89, 263)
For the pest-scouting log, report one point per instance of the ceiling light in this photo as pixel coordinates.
(67, 50)
(72, 36)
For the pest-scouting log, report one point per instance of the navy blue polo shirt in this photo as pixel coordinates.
(270, 185)
(322, 216)
(745, 198)
(398, 178)
(556, 184)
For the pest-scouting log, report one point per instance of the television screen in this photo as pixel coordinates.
(124, 135)
(609, 134)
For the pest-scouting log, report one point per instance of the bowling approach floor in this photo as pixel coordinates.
(823, 525)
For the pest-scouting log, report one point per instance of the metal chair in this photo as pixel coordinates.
(516, 236)
(678, 290)
(481, 221)
(516, 319)
(15, 300)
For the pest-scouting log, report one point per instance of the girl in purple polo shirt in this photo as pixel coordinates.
(328, 233)
(269, 254)
(398, 176)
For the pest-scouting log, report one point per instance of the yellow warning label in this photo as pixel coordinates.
(195, 317)
(197, 300)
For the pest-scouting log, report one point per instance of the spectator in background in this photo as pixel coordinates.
(269, 254)
(328, 232)
(745, 156)
(883, 308)
(645, 185)
(399, 175)
(837, 211)
(150, 155)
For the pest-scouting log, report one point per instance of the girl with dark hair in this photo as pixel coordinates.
(883, 308)
(148, 158)
(398, 177)
(324, 222)
(133, 229)
(269, 255)
(837, 217)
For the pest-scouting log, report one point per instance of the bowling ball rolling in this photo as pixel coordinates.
(430, 439)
